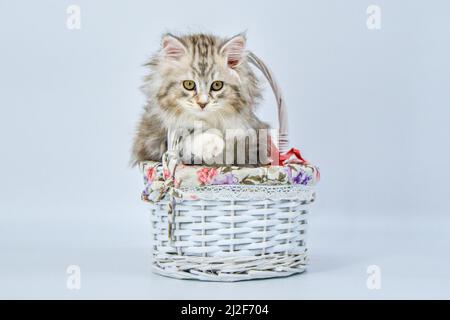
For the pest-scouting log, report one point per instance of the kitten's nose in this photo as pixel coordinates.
(202, 104)
(202, 100)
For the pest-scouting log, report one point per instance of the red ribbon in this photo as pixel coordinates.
(293, 155)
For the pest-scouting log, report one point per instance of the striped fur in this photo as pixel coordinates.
(204, 59)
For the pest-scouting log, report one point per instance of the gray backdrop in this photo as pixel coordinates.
(369, 107)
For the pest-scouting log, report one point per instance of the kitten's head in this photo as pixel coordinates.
(201, 77)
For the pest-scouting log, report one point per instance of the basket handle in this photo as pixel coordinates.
(283, 135)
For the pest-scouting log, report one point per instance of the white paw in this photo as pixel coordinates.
(207, 146)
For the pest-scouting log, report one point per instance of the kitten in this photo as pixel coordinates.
(197, 78)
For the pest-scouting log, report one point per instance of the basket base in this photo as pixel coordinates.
(229, 269)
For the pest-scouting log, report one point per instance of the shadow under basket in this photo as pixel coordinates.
(233, 233)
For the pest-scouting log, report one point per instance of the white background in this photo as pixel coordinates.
(369, 107)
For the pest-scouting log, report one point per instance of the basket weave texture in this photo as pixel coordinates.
(233, 233)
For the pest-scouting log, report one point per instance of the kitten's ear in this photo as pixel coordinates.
(172, 47)
(234, 50)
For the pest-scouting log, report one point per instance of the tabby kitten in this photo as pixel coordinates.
(197, 78)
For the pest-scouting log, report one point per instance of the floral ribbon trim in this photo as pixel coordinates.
(167, 178)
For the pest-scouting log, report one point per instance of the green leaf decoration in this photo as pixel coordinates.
(247, 180)
(225, 169)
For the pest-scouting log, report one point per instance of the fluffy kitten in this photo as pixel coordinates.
(196, 78)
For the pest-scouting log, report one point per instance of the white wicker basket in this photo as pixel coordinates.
(235, 232)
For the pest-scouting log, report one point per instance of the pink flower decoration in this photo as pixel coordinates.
(150, 174)
(166, 174)
(205, 175)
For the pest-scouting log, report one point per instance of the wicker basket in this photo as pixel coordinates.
(234, 232)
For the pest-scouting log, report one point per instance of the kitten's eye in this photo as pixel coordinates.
(217, 85)
(189, 85)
